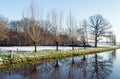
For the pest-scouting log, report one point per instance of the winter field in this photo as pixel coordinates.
(42, 48)
(31, 48)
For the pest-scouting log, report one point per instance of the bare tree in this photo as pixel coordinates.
(98, 27)
(46, 28)
(82, 33)
(71, 29)
(32, 26)
(99, 68)
(85, 27)
(112, 38)
(16, 33)
(56, 24)
(3, 29)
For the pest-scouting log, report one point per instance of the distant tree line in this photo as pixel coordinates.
(34, 29)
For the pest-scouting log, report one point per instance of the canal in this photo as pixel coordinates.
(104, 65)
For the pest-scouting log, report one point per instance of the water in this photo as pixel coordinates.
(95, 66)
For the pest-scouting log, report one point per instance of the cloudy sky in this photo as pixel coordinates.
(81, 9)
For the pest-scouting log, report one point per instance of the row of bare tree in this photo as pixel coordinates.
(33, 29)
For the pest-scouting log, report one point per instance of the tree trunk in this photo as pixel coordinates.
(72, 45)
(114, 43)
(84, 45)
(35, 45)
(95, 41)
(56, 46)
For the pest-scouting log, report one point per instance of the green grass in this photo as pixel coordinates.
(28, 58)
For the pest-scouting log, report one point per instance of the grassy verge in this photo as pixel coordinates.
(25, 59)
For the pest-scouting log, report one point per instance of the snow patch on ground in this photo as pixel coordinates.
(31, 48)
(1, 59)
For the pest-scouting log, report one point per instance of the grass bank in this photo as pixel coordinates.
(29, 58)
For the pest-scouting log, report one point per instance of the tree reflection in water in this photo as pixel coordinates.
(11, 71)
(83, 67)
(2, 74)
(99, 68)
(113, 54)
(72, 70)
(30, 72)
(34, 74)
(56, 71)
(78, 68)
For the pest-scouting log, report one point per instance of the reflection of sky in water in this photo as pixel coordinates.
(16, 76)
(94, 66)
(116, 68)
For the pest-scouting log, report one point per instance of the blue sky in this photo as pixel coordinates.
(81, 9)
